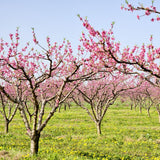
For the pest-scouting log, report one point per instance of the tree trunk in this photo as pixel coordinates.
(59, 109)
(159, 116)
(65, 106)
(6, 126)
(140, 109)
(35, 144)
(98, 125)
(69, 106)
(148, 109)
(135, 106)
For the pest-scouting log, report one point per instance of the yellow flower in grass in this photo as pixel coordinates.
(26, 156)
(157, 158)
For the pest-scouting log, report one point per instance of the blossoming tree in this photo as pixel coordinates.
(101, 94)
(8, 109)
(136, 60)
(34, 73)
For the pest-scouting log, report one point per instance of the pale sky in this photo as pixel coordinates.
(58, 20)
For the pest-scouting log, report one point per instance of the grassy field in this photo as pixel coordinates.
(71, 135)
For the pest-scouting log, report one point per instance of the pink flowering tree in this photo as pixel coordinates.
(40, 78)
(142, 61)
(140, 97)
(101, 94)
(146, 96)
(7, 108)
(130, 96)
(152, 94)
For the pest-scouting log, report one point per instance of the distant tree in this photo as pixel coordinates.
(8, 110)
(145, 96)
(101, 94)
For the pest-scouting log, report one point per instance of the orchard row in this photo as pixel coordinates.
(97, 74)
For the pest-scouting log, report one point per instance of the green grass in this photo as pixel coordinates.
(71, 135)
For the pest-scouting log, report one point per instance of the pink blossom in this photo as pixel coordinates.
(103, 33)
(10, 50)
(130, 7)
(16, 44)
(57, 103)
(38, 90)
(1, 48)
(151, 38)
(122, 7)
(147, 12)
(154, 8)
(48, 39)
(17, 38)
(158, 18)
(11, 36)
(35, 41)
(16, 34)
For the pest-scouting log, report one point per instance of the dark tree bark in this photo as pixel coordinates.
(6, 125)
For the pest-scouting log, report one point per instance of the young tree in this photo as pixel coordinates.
(145, 96)
(8, 110)
(153, 98)
(140, 97)
(34, 74)
(101, 94)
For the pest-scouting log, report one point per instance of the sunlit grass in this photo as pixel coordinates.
(71, 135)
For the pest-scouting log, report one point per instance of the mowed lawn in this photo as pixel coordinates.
(71, 135)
